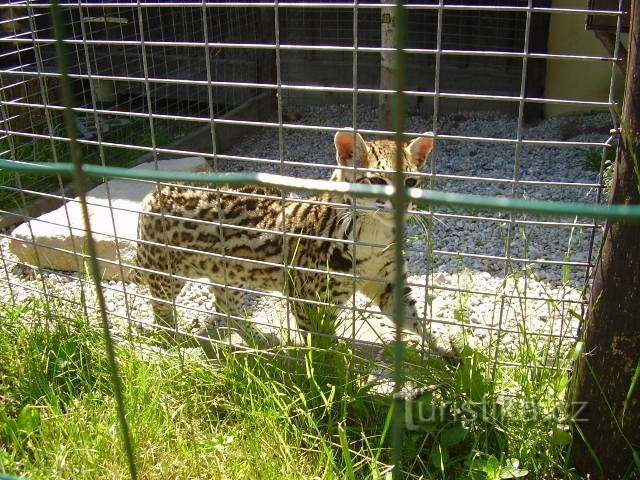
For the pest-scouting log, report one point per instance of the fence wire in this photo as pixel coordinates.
(89, 89)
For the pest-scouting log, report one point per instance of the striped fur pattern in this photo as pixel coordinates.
(235, 237)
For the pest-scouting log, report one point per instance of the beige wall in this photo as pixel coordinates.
(575, 79)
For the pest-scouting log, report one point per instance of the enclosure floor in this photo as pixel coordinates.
(454, 264)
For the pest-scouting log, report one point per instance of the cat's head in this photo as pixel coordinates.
(377, 159)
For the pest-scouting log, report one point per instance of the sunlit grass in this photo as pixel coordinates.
(309, 412)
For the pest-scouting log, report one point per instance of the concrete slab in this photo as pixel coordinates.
(57, 240)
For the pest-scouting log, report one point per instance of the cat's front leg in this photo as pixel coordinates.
(411, 320)
(382, 293)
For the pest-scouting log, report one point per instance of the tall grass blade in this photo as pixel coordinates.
(346, 453)
(385, 430)
(632, 388)
(589, 448)
(80, 179)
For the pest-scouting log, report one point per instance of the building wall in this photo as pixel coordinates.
(576, 79)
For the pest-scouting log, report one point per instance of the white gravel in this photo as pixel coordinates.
(479, 291)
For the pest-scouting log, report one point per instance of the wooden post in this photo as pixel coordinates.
(387, 64)
(611, 414)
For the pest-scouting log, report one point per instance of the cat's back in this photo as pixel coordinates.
(231, 205)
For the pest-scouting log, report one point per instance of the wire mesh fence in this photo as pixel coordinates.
(172, 88)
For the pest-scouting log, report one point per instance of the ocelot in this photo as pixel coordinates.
(234, 237)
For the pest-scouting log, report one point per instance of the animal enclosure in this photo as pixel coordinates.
(169, 90)
(341, 211)
(261, 87)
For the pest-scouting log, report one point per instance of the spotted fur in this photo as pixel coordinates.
(235, 237)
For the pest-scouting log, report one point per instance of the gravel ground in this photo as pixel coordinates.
(455, 264)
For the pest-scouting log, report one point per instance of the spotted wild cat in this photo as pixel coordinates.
(235, 237)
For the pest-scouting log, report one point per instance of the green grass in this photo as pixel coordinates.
(136, 132)
(313, 413)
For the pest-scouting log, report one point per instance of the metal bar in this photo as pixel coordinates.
(433, 158)
(317, 202)
(292, 126)
(312, 237)
(279, 296)
(613, 212)
(514, 189)
(409, 6)
(354, 126)
(101, 153)
(320, 48)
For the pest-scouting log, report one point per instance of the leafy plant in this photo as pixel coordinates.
(25, 424)
(491, 468)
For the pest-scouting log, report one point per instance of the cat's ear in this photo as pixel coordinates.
(351, 149)
(420, 148)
